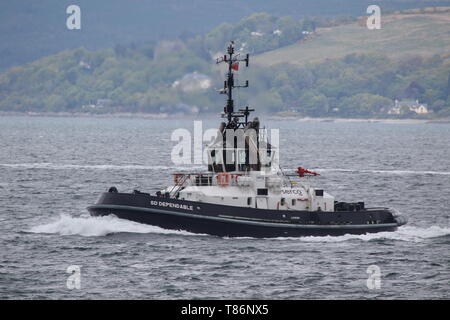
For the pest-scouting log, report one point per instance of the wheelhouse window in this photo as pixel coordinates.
(262, 192)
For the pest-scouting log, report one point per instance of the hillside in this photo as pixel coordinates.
(31, 29)
(400, 35)
(346, 75)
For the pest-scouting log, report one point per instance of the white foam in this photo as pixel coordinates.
(59, 166)
(405, 233)
(101, 226)
(62, 166)
(398, 172)
(97, 226)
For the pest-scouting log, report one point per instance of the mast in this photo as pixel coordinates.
(233, 158)
(233, 117)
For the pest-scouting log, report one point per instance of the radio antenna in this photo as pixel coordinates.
(233, 65)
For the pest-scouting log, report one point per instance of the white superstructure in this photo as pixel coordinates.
(268, 188)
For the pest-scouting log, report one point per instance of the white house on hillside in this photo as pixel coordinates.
(409, 105)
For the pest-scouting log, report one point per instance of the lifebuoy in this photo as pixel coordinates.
(223, 179)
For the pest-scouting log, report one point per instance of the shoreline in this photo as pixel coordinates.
(363, 120)
(162, 116)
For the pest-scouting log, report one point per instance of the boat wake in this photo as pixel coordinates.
(89, 226)
(405, 233)
(396, 172)
(60, 166)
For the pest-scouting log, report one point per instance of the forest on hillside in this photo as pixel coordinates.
(180, 76)
(33, 29)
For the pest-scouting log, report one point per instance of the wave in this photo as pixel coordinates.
(89, 226)
(399, 172)
(405, 233)
(55, 166)
(59, 166)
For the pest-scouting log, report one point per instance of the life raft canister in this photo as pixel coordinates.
(223, 179)
(176, 178)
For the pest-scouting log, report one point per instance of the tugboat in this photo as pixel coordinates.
(244, 192)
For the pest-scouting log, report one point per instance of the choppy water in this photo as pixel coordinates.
(51, 169)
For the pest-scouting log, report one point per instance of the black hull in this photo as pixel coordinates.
(228, 221)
